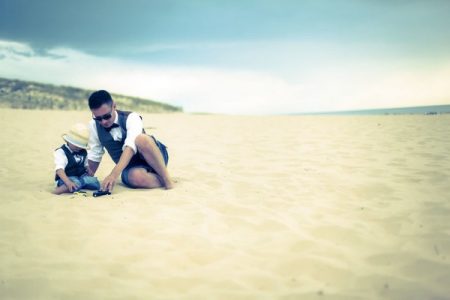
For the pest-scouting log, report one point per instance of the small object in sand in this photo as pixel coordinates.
(82, 193)
(436, 250)
(101, 193)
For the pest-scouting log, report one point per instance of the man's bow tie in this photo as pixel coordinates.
(114, 125)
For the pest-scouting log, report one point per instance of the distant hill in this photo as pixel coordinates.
(414, 110)
(33, 95)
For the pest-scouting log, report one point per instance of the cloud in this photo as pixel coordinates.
(334, 83)
(16, 51)
(98, 27)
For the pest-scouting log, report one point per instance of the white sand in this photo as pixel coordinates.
(285, 207)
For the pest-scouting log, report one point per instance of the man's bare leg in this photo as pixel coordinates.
(152, 155)
(141, 178)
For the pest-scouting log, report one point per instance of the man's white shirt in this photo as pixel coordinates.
(134, 127)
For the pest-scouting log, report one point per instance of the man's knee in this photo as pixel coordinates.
(142, 140)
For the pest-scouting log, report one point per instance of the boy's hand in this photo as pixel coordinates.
(71, 186)
(108, 183)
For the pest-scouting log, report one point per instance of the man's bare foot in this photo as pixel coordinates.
(168, 184)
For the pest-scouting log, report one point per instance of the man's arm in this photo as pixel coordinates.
(134, 128)
(95, 151)
(92, 167)
(110, 180)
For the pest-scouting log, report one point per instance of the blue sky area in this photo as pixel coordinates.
(238, 57)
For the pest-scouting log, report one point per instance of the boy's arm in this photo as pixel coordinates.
(69, 183)
(60, 164)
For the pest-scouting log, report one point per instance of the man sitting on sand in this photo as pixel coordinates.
(140, 158)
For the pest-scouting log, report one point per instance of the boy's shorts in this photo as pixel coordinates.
(138, 161)
(82, 182)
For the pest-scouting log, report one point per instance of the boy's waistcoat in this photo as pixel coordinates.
(73, 168)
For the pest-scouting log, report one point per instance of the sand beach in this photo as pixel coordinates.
(264, 207)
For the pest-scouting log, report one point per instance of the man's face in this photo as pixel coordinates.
(105, 114)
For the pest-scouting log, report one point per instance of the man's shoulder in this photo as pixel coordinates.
(134, 115)
(92, 125)
(127, 112)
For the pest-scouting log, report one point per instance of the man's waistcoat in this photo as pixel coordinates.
(113, 147)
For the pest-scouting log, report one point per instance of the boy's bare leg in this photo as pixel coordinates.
(61, 190)
(152, 155)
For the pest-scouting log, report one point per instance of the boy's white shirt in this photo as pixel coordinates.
(134, 126)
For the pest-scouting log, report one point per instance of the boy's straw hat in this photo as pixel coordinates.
(78, 136)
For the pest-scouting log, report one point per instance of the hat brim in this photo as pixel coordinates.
(74, 142)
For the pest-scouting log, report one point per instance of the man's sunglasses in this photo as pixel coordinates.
(104, 117)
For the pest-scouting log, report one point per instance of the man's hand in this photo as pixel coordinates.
(109, 182)
(71, 186)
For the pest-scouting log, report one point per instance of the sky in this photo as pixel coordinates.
(236, 57)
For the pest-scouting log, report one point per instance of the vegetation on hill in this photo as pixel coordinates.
(32, 95)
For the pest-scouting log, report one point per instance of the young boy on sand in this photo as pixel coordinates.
(71, 163)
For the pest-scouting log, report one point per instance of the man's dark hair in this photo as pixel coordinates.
(99, 98)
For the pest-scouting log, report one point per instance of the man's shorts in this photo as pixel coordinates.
(138, 161)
